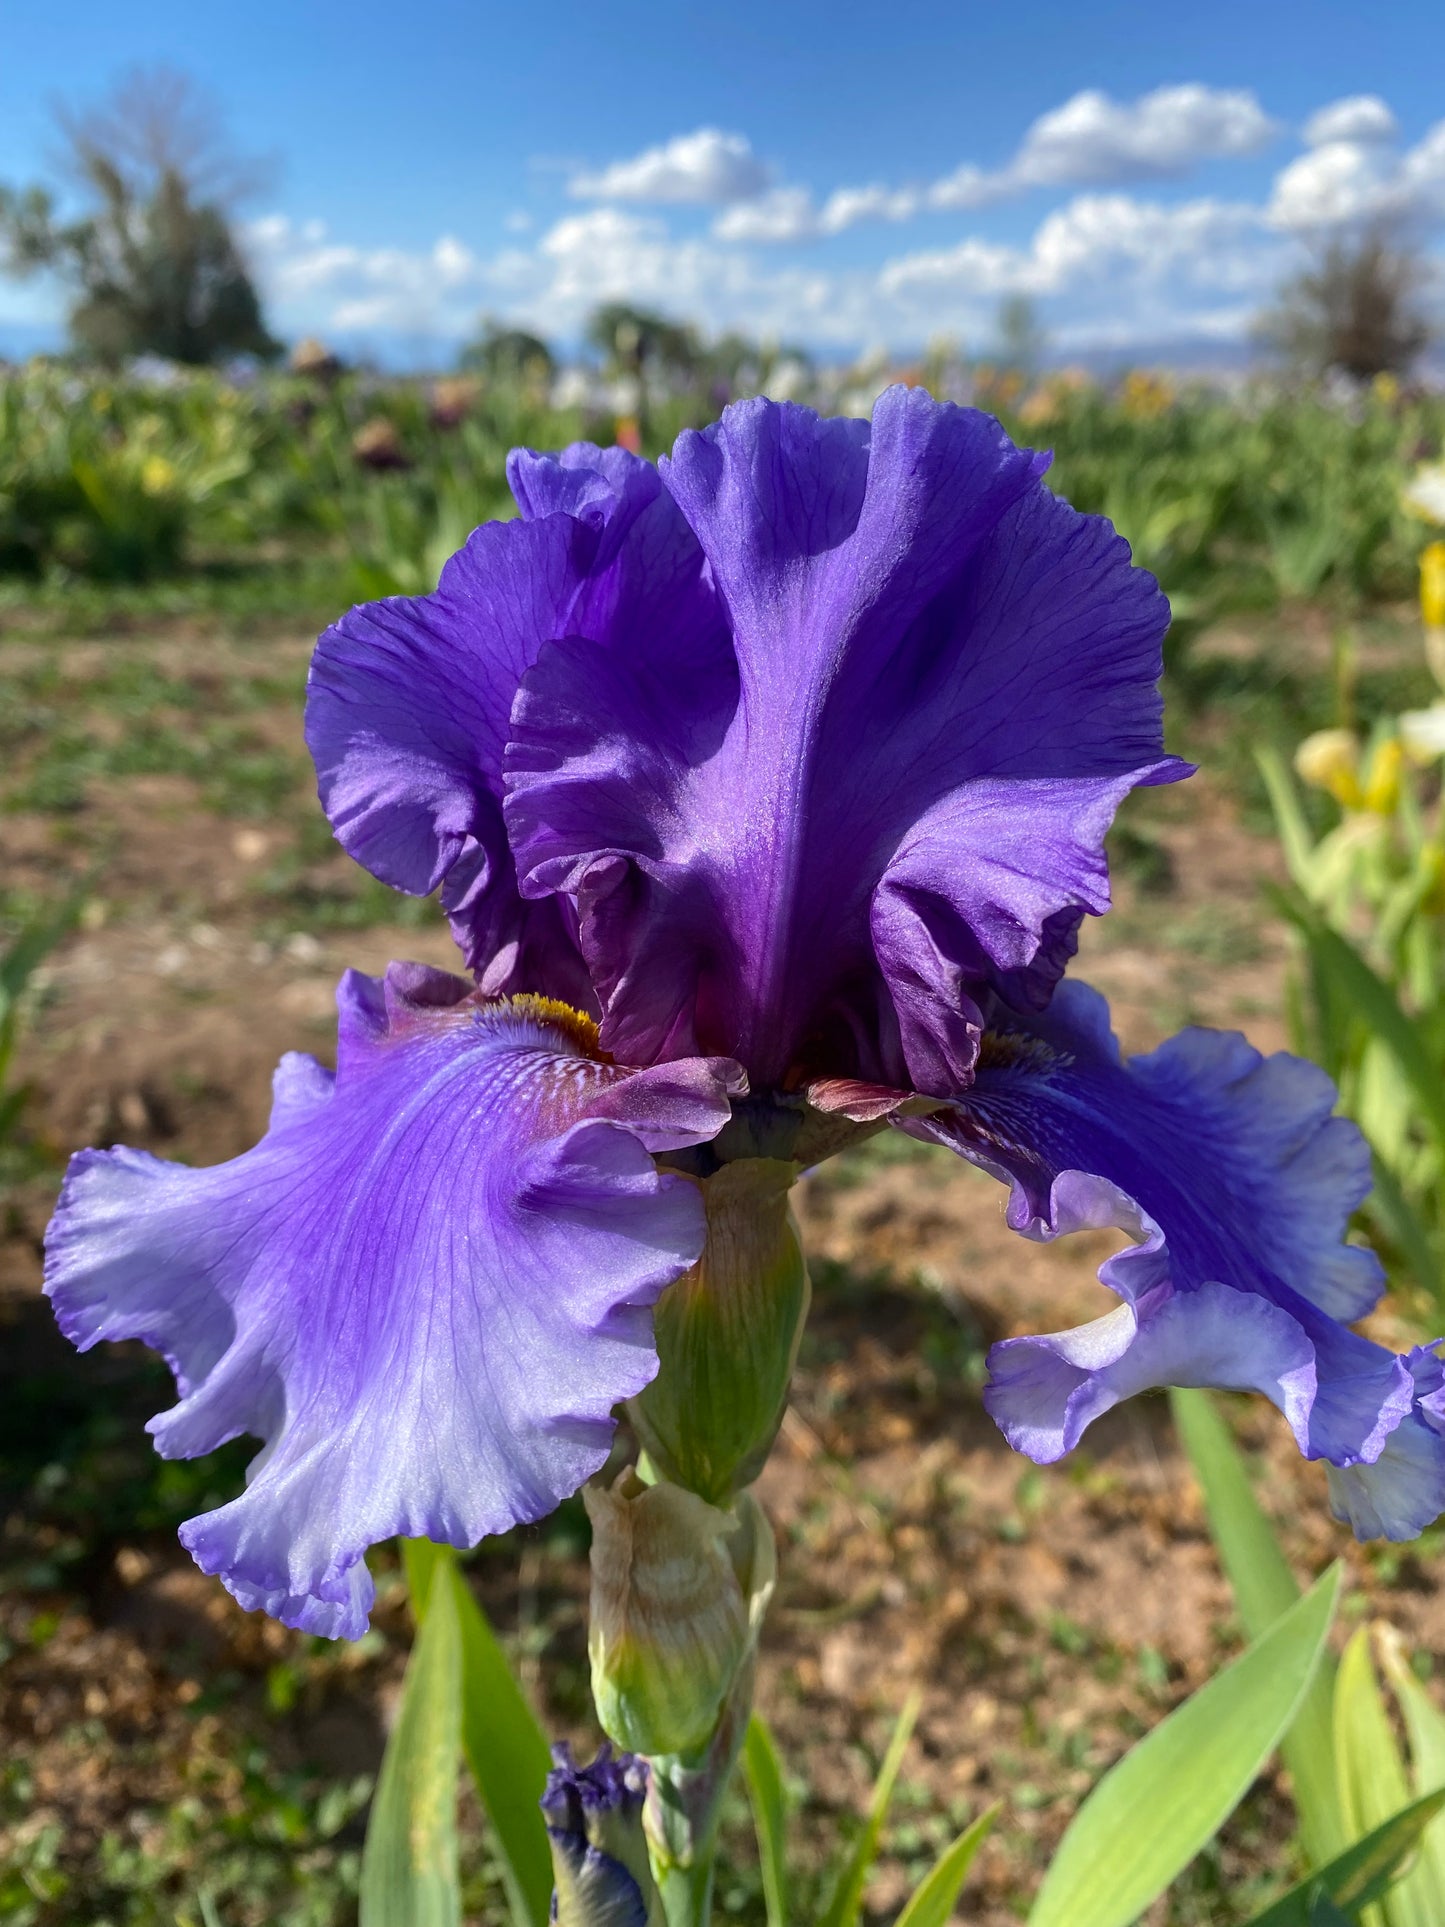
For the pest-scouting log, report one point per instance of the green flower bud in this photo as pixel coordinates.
(679, 1588)
(727, 1337)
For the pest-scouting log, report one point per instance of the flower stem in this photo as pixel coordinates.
(684, 1805)
(687, 1894)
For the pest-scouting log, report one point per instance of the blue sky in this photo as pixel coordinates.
(837, 176)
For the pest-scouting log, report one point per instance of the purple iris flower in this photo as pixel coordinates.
(765, 791)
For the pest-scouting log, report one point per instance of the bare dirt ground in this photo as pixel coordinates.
(151, 1729)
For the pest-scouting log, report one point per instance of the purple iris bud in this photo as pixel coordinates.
(765, 791)
(576, 1796)
(599, 1852)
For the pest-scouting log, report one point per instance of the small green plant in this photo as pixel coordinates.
(1187, 1775)
(31, 942)
(1352, 1782)
(1366, 903)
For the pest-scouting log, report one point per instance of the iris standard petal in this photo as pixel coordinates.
(409, 698)
(425, 1289)
(942, 680)
(1236, 1183)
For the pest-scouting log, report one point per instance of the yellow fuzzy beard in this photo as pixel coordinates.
(551, 1012)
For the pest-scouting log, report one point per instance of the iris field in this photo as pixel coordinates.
(200, 496)
(173, 915)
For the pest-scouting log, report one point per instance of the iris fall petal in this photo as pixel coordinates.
(425, 1289)
(1234, 1180)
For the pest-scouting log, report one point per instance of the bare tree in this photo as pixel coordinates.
(153, 258)
(1356, 308)
(157, 121)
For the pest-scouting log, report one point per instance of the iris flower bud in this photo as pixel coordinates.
(679, 1588)
(1422, 733)
(1432, 607)
(1424, 493)
(1330, 760)
(315, 360)
(376, 444)
(599, 1851)
(1382, 783)
(727, 1337)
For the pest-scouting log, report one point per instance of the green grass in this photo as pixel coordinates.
(237, 772)
(247, 1845)
(269, 597)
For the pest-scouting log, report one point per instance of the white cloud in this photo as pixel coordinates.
(1091, 240)
(316, 284)
(1338, 182)
(1103, 267)
(846, 206)
(1093, 140)
(1209, 242)
(1422, 174)
(454, 263)
(1096, 141)
(1090, 141)
(708, 168)
(1106, 265)
(790, 213)
(1117, 269)
(606, 242)
(334, 285)
(612, 252)
(275, 231)
(972, 269)
(1360, 117)
(609, 253)
(784, 214)
(1358, 177)
(967, 187)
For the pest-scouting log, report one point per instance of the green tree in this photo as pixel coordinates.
(508, 355)
(647, 346)
(1021, 337)
(152, 257)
